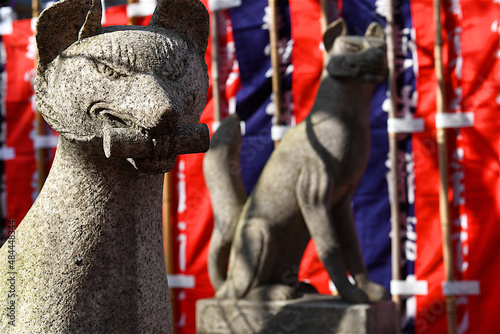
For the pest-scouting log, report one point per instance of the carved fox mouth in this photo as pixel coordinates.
(146, 150)
(154, 154)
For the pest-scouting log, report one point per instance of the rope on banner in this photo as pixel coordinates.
(447, 120)
(6, 20)
(139, 9)
(45, 142)
(461, 288)
(397, 125)
(409, 287)
(279, 131)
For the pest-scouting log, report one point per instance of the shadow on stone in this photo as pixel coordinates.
(315, 314)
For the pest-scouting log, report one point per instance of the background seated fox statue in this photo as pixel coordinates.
(305, 189)
(126, 100)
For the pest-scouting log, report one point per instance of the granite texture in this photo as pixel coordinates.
(309, 315)
(88, 256)
(305, 189)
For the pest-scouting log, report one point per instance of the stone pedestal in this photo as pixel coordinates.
(315, 314)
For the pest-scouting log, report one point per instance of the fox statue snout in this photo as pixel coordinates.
(138, 147)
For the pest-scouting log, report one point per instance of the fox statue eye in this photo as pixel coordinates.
(108, 71)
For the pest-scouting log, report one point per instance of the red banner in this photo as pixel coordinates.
(19, 162)
(472, 86)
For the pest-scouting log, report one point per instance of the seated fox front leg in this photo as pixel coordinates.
(314, 190)
(346, 229)
(249, 255)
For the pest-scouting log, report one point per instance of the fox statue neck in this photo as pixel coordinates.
(118, 208)
(347, 99)
(78, 168)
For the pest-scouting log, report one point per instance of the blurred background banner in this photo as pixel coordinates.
(472, 75)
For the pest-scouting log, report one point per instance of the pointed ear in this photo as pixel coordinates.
(189, 17)
(64, 23)
(335, 29)
(375, 30)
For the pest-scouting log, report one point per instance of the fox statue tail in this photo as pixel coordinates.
(222, 171)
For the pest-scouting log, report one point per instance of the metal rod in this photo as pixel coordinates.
(444, 209)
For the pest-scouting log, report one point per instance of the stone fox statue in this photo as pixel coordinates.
(305, 189)
(126, 100)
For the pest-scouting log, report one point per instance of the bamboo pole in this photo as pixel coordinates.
(393, 160)
(214, 26)
(325, 10)
(444, 209)
(325, 20)
(275, 63)
(41, 152)
(131, 20)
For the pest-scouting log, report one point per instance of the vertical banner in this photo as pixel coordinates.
(253, 101)
(18, 127)
(471, 38)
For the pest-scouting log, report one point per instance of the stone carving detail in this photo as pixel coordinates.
(126, 101)
(305, 189)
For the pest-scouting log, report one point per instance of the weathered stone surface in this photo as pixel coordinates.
(311, 315)
(305, 189)
(88, 256)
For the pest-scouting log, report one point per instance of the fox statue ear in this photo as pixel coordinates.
(375, 30)
(189, 17)
(335, 29)
(64, 23)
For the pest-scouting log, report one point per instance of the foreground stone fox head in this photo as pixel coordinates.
(139, 91)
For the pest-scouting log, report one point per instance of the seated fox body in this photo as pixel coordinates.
(126, 101)
(305, 189)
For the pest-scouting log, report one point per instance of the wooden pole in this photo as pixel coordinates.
(444, 209)
(275, 62)
(325, 20)
(325, 10)
(214, 26)
(41, 152)
(393, 160)
(167, 235)
(131, 20)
